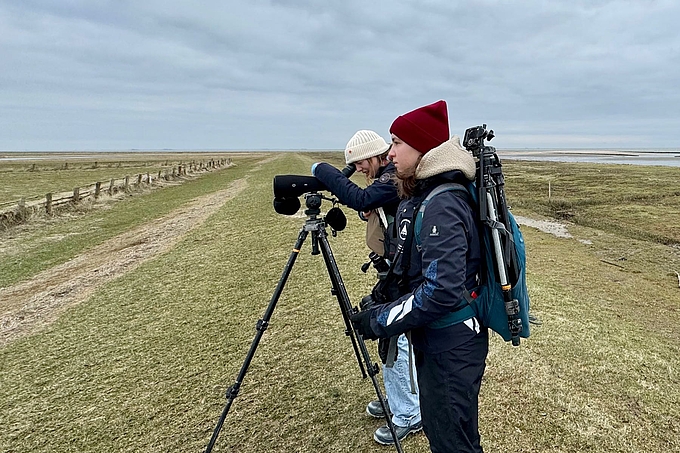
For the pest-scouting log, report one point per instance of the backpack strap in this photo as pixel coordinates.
(465, 312)
(451, 186)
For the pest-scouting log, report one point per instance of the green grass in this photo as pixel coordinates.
(631, 200)
(46, 243)
(34, 178)
(143, 365)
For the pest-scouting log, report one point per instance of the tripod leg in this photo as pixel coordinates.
(357, 340)
(261, 326)
(511, 304)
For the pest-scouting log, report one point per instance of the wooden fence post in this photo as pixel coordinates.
(159, 174)
(97, 189)
(148, 178)
(111, 187)
(76, 195)
(139, 179)
(127, 183)
(48, 204)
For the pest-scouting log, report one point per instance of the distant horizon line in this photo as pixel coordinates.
(236, 150)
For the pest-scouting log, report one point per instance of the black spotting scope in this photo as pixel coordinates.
(287, 189)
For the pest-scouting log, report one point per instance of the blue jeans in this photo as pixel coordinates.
(405, 406)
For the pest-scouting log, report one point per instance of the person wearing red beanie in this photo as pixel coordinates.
(433, 270)
(423, 128)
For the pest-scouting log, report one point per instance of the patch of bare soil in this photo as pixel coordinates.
(547, 226)
(31, 305)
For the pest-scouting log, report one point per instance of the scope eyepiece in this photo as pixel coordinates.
(349, 170)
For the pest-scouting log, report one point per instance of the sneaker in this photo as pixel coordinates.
(533, 319)
(374, 409)
(383, 435)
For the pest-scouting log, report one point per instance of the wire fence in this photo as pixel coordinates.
(18, 211)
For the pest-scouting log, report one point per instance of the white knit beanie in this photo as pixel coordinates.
(363, 145)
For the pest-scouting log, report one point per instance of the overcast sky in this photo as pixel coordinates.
(307, 74)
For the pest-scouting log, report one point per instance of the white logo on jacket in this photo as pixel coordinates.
(403, 228)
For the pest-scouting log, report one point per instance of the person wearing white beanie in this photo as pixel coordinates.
(364, 145)
(377, 203)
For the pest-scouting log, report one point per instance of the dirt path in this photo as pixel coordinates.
(30, 305)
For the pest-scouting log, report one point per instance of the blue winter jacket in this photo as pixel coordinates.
(443, 262)
(382, 193)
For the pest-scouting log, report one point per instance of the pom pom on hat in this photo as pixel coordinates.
(364, 145)
(424, 128)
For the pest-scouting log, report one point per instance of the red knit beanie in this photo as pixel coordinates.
(424, 128)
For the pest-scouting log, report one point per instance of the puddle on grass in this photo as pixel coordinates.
(554, 228)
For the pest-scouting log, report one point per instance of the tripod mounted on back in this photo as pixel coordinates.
(493, 212)
(286, 190)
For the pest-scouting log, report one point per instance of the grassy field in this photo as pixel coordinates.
(38, 174)
(28, 249)
(143, 364)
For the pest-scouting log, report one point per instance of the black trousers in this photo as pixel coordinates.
(449, 384)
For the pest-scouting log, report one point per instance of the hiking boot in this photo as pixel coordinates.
(374, 409)
(533, 319)
(383, 435)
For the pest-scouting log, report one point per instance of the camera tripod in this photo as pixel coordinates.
(493, 211)
(317, 227)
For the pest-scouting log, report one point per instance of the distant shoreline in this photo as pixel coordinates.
(663, 157)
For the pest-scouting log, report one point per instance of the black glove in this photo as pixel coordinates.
(366, 303)
(362, 324)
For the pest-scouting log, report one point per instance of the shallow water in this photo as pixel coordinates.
(668, 158)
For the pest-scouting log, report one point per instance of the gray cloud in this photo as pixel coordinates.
(308, 74)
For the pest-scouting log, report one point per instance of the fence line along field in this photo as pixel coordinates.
(28, 178)
(140, 359)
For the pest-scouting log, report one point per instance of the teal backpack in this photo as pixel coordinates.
(486, 302)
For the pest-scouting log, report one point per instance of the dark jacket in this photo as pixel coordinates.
(382, 193)
(444, 262)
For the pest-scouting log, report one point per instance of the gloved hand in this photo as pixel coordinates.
(314, 167)
(362, 323)
(366, 303)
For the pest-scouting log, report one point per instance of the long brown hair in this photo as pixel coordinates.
(375, 166)
(406, 181)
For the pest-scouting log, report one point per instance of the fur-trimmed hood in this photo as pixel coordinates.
(448, 156)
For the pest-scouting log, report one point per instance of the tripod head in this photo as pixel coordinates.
(489, 172)
(474, 140)
(334, 218)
